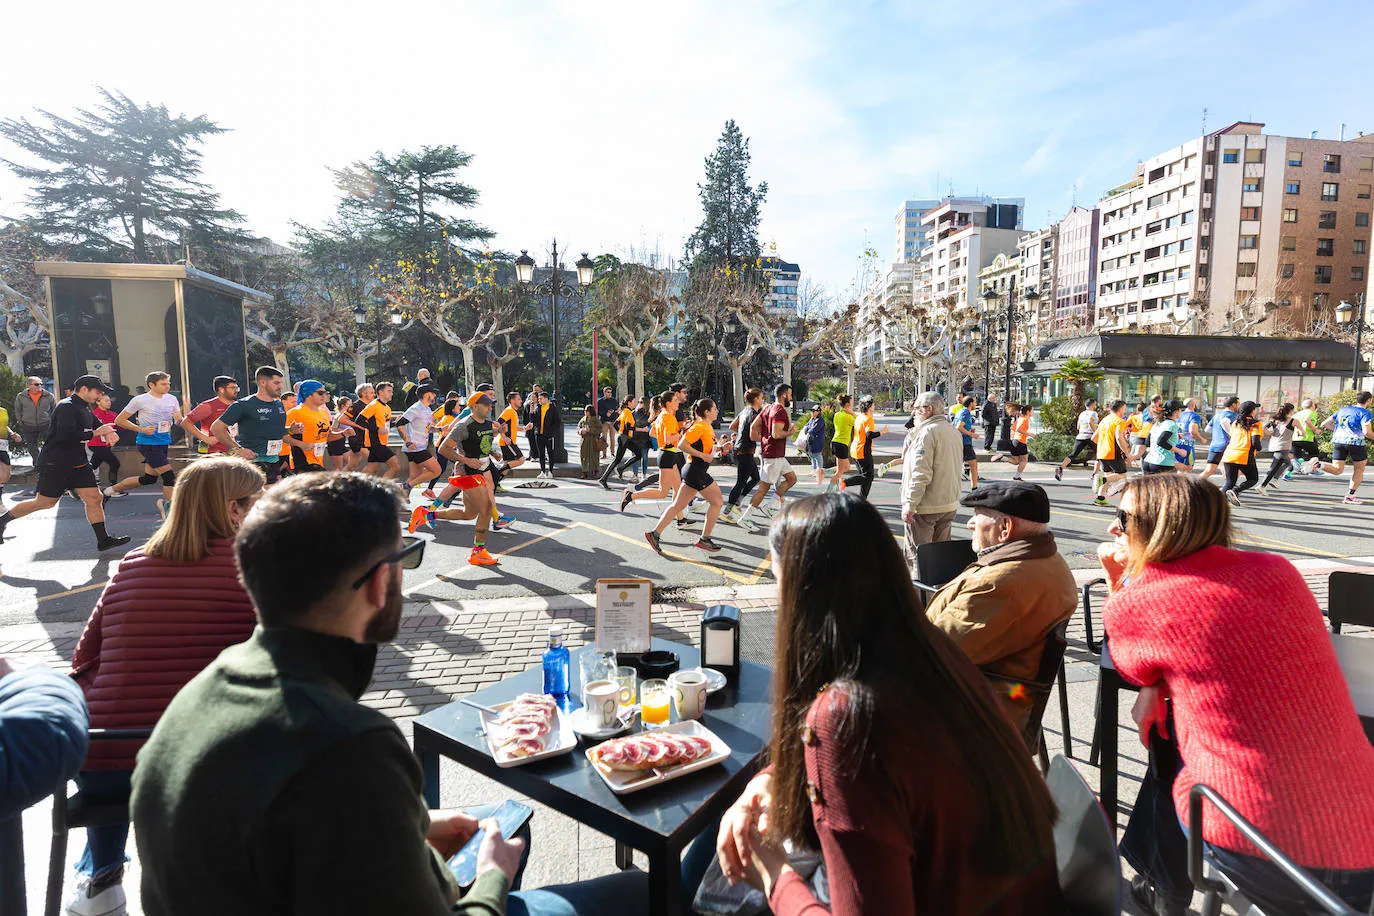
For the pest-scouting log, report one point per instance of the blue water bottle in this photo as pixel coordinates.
(557, 666)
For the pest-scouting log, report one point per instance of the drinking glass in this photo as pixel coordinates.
(654, 702)
(628, 680)
(596, 665)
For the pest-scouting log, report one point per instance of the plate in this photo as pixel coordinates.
(623, 782)
(561, 739)
(577, 721)
(714, 679)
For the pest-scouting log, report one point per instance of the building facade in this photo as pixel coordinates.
(963, 240)
(1074, 296)
(783, 279)
(912, 236)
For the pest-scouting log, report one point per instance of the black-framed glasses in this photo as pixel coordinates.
(409, 556)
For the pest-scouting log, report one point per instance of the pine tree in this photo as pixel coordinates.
(729, 230)
(122, 182)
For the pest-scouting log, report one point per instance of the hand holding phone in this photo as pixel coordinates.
(489, 846)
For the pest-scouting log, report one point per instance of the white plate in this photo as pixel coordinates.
(623, 782)
(714, 679)
(560, 740)
(577, 721)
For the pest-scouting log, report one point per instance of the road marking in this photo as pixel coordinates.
(449, 576)
(72, 591)
(734, 577)
(1275, 542)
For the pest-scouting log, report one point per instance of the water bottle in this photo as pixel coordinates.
(557, 666)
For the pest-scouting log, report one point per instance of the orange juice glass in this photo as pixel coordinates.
(654, 702)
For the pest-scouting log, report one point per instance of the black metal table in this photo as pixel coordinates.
(659, 821)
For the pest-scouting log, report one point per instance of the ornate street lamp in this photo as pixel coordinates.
(1352, 318)
(554, 287)
(524, 267)
(397, 318)
(359, 315)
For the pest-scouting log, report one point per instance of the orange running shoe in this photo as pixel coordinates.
(423, 516)
(480, 557)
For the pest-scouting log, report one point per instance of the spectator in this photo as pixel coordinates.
(1002, 609)
(607, 410)
(267, 788)
(33, 409)
(889, 752)
(165, 614)
(549, 422)
(589, 431)
(532, 418)
(813, 442)
(42, 734)
(1235, 663)
(932, 461)
(990, 414)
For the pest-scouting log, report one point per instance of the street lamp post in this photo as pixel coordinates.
(1347, 318)
(554, 287)
(1008, 315)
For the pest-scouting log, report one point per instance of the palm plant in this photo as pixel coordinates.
(1079, 373)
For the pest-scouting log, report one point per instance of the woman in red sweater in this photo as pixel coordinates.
(890, 754)
(1232, 643)
(165, 614)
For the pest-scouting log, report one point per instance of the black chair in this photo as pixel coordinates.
(1350, 599)
(1218, 887)
(941, 562)
(1051, 668)
(1084, 845)
(1094, 646)
(79, 811)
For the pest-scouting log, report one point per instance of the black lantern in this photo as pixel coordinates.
(720, 641)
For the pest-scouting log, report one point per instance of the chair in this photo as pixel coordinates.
(78, 811)
(941, 562)
(1218, 887)
(1051, 668)
(1094, 646)
(1350, 599)
(1084, 845)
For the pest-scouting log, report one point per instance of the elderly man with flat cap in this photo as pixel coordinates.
(1003, 607)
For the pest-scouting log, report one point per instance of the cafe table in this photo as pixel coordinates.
(660, 821)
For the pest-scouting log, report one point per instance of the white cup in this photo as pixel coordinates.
(599, 698)
(689, 690)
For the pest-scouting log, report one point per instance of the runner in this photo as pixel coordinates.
(349, 419)
(100, 448)
(1280, 431)
(1138, 429)
(1083, 442)
(1242, 446)
(861, 445)
(647, 480)
(700, 443)
(337, 449)
(1165, 441)
(376, 418)
(510, 425)
(312, 421)
(625, 426)
(1219, 435)
(1190, 433)
(668, 432)
(1111, 453)
(260, 421)
(1349, 442)
(293, 431)
(415, 426)
(1305, 423)
(468, 446)
(746, 454)
(1020, 451)
(840, 441)
(963, 422)
(1010, 412)
(198, 421)
(157, 411)
(775, 428)
(62, 464)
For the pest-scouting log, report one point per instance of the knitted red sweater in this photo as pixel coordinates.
(1261, 710)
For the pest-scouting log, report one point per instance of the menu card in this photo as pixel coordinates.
(623, 614)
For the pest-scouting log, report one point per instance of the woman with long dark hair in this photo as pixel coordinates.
(1280, 444)
(1241, 452)
(890, 753)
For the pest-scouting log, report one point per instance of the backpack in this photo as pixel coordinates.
(756, 428)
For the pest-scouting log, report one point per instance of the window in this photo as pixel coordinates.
(1251, 184)
(1331, 163)
(1322, 273)
(1290, 216)
(1326, 219)
(1230, 155)
(1292, 187)
(1254, 155)
(1289, 243)
(1331, 190)
(1148, 304)
(1366, 163)
(1152, 253)
(1286, 271)
(1151, 279)
(1156, 174)
(1249, 212)
(1326, 247)
(1362, 191)
(1185, 217)
(1362, 220)
(1156, 200)
(1185, 245)
(1360, 246)
(1184, 271)
(1249, 241)
(1188, 189)
(1152, 228)
(1295, 160)
(1245, 269)
(1357, 273)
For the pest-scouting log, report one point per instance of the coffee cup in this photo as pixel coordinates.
(599, 698)
(689, 691)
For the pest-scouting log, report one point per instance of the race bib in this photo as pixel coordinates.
(164, 426)
(319, 449)
(4, 445)
(273, 447)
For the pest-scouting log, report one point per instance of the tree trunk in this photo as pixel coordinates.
(639, 378)
(281, 362)
(737, 392)
(469, 369)
(849, 376)
(787, 360)
(622, 381)
(359, 367)
(498, 380)
(14, 358)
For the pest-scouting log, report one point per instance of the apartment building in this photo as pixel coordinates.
(884, 309)
(1036, 257)
(962, 240)
(1074, 295)
(783, 280)
(912, 236)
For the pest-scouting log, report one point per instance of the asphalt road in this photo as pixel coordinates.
(568, 536)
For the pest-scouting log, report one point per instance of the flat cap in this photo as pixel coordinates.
(1012, 497)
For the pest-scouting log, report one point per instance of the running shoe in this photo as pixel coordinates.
(422, 517)
(1116, 488)
(499, 489)
(1287, 475)
(746, 524)
(686, 522)
(428, 493)
(1058, 473)
(106, 495)
(502, 523)
(652, 538)
(480, 557)
(113, 541)
(1264, 490)
(1314, 468)
(1101, 501)
(726, 515)
(1317, 472)
(1353, 500)
(1232, 497)
(605, 484)
(626, 499)
(162, 506)
(708, 545)
(884, 468)
(119, 494)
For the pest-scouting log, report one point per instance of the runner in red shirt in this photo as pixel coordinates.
(198, 422)
(777, 474)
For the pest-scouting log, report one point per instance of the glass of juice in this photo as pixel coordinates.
(654, 700)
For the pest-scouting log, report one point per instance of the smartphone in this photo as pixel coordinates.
(510, 817)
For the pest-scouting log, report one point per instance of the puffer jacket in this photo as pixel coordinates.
(156, 625)
(42, 736)
(28, 415)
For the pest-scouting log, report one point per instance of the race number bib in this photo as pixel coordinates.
(164, 426)
(319, 449)
(273, 447)
(4, 445)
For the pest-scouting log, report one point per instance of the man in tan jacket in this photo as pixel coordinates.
(1002, 609)
(932, 463)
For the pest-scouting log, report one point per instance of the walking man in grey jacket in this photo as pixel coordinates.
(932, 463)
(32, 410)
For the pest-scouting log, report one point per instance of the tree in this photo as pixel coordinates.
(729, 230)
(498, 359)
(635, 309)
(23, 300)
(808, 331)
(1079, 373)
(842, 343)
(726, 305)
(122, 182)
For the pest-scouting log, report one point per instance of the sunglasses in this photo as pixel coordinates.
(409, 556)
(1123, 519)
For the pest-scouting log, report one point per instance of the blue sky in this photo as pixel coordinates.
(590, 121)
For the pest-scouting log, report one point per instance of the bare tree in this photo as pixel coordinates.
(287, 324)
(23, 301)
(842, 342)
(728, 304)
(808, 331)
(635, 310)
(497, 360)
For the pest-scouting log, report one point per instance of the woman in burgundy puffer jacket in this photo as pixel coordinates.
(166, 613)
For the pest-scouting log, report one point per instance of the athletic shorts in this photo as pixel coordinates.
(698, 476)
(419, 457)
(337, 447)
(53, 481)
(468, 481)
(1157, 468)
(840, 450)
(1350, 452)
(511, 453)
(1187, 460)
(355, 444)
(969, 453)
(1215, 455)
(774, 469)
(1115, 465)
(1018, 449)
(379, 454)
(670, 460)
(273, 469)
(1140, 440)
(155, 456)
(5, 457)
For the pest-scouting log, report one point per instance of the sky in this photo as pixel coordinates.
(589, 122)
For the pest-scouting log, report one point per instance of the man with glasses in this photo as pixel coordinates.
(33, 409)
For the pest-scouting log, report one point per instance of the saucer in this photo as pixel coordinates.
(578, 722)
(714, 679)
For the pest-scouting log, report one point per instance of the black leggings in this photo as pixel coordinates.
(1233, 471)
(746, 476)
(626, 444)
(866, 469)
(103, 454)
(1278, 463)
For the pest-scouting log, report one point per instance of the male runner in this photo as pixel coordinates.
(776, 429)
(198, 422)
(313, 421)
(1083, 442)
(963, 422)
(261, 422)
(357, 444)
(510, 425)
(1112, 448)
(1190, 432)
(376, 419)
(156, 411)
(63, 465)
(1304, 435)
(1350, 442)
(468, 446)
(1219, 435)
(415, 426)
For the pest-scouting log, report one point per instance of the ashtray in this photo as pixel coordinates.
(657, 664)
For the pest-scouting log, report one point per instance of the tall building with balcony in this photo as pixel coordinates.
(783, 279)
(912, 236)
(1037, 263)
(1075, 273)
(884, 309)
(962, 240)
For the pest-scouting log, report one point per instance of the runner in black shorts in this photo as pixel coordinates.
(62, 463)
(700, 443)
(468, 446)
